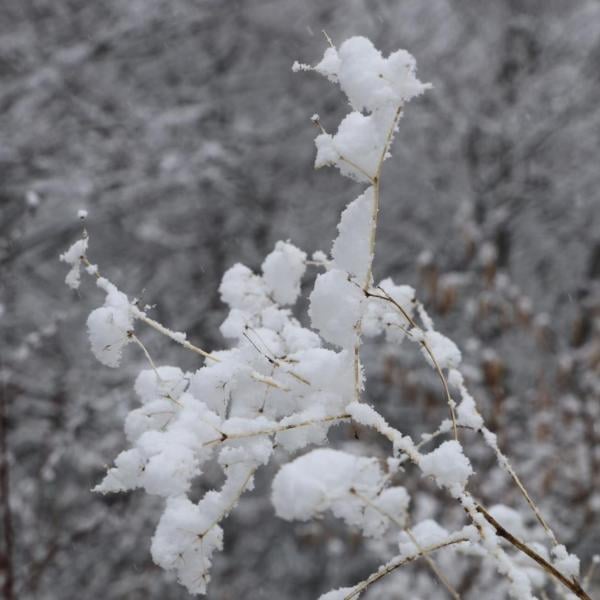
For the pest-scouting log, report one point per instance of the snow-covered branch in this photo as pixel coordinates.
(283, 385)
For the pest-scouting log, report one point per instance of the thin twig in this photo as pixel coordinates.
(572, 584)
(142, 316)
(274, 430)
(393, 564)
(387, 297)
(430, 562)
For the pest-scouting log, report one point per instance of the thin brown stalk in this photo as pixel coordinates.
(572, 584)
(430, 562)
(155, 324)
(429, 351)
(396, 563)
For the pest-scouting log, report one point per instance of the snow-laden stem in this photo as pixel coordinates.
(490, 440)
(570, 583)
(430, 562)
(474, 510)
(275, 430)
(451, 404)
(397, 562)
(172, 335)
(229, 507)
(376, 181)
(142, 316)
(487, 434)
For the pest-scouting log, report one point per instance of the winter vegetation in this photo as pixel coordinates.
(281, 386)
(395, 395)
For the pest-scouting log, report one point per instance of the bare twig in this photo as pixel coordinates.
(428, 349)
(572, 584)
(393, 564)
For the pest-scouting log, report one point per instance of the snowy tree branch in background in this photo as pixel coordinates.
(283, 386)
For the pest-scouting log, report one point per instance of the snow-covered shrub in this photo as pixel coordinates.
(282, 385)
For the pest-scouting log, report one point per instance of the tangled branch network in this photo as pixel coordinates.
(284, 386)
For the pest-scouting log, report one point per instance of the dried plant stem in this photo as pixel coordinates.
(375, 182)
(572, 584)
(430, 562)
(503, 460)
(411, 321)
(231, 505)
(180, 339)
(434, 568)
(142, 316)
(270, 357)
(274, 430)
(476, 512)
(396, 562)
(373, 232)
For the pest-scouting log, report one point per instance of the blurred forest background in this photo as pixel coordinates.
(179, 125)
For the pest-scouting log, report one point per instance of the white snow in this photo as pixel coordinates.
(426, 533)
(351, 249)
(444, 350)
(327, 479)
(447, 465)
(336, 307)
(339, 594)
(241, 288)
(185, 542)
(73, 258)
(282, 272)
(109, 326)
(567, 564)
(466, 412)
